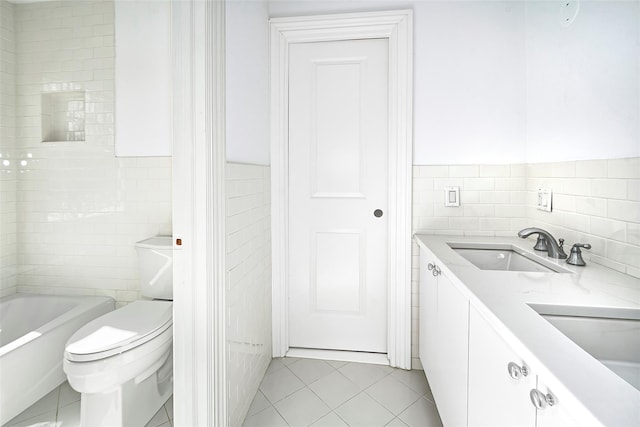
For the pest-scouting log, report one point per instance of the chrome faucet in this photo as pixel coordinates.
(554, 249)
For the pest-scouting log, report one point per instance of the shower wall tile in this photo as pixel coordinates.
(248, 244)
(8, 214)
(79, 209)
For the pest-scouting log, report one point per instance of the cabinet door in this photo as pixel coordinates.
(428, 310)
(561, 413)
(495, 398)
(452, 345)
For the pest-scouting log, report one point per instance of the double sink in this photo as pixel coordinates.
(612, 336)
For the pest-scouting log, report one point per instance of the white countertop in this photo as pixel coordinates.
(502, 297)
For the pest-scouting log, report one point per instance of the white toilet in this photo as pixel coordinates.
(121, 362)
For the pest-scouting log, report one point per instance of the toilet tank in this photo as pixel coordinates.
(155, 267)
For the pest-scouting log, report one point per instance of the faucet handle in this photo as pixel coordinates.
(561, 241)
(581, 245)
(575, 257)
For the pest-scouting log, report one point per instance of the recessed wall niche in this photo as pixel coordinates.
(63, 116)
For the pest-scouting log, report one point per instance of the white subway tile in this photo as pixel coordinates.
(624, 210)
(513, 184)
(608, 228)
(434, 171)
(464, 224)
(479, 210)
(591, 168)
(495, 170)
(479, 184)
(464, 171)
(591, 206)
(609, 188)
(633, 189)
(624, 168)
(624, 253)
(633, 233)
(495, 197)
(441, 183)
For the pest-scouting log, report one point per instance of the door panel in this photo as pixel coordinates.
(338, 177)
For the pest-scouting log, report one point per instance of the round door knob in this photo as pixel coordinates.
(378, 213)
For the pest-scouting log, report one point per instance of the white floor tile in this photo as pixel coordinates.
(393, 394)
(289, 360)
(66, 412)
(275, 365)
(363, 375)
(330, 420)
(258, 404)
(414, 379)
(43, 406)
(67, 395)
(396, 422)
(159, 418)
(310, 370)
(337, 364)
(363, 411)
(266, 418)
(169, 407)
(423, 413)
(302, 408)
(334, 389)
(69, 416)
(43, 420)
(280, 384)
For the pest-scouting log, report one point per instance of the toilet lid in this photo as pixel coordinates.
(120, 330)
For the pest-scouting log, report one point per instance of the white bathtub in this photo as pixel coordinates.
(33, 332)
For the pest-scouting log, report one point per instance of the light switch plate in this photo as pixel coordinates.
(452, 196)
(544, 199)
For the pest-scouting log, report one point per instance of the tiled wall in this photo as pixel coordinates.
(80, 209)
(594, 201)
(248, 283)
(8, 228)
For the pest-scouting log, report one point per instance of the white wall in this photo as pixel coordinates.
(469, 76)
(247, 81)
(506, 82)
(583, 81)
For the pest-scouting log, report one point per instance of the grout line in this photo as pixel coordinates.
(58, 402)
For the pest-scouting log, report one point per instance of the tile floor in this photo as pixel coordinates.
(294, 393)
(61, 408)
(305, 392)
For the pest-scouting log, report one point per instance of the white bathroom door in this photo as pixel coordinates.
(338, 195)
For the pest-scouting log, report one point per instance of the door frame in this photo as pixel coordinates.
(397, 27)
(198, 136)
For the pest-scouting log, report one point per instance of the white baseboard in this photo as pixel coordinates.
(344, 356)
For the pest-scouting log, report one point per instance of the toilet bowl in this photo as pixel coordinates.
(122, 362)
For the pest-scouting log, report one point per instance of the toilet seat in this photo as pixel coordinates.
(120, 330)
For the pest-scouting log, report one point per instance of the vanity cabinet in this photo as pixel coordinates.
(477, 379)
(501, 383)
(444, 328)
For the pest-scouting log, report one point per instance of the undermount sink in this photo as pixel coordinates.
(611, 335)
(503, 257)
